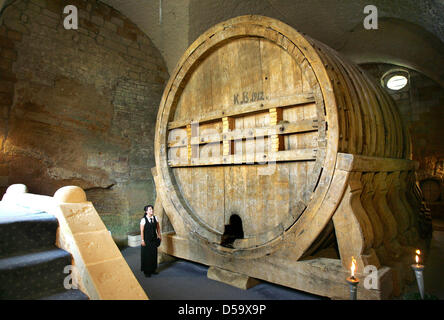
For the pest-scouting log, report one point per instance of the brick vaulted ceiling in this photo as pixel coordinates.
(410, 33)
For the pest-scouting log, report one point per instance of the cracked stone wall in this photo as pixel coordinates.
(78, 107)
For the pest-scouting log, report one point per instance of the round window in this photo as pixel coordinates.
(395, 80)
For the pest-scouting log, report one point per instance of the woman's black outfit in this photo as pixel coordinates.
(149, 251)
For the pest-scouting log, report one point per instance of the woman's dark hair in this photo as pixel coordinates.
(146, 208)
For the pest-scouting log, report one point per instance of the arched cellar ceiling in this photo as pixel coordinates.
(397, 42)
(410, 34)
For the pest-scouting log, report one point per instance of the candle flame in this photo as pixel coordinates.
(417, 256)
(353, 267)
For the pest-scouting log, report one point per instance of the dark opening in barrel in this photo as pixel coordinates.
(232, 231)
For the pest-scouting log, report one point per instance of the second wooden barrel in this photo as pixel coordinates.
(249, 127)
(431, 189)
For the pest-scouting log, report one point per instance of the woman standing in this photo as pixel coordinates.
(150, 232)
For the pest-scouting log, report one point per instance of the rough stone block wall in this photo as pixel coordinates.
(421, 105)
(78, 107)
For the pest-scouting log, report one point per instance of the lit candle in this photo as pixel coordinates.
(418, 269)
(353, 281)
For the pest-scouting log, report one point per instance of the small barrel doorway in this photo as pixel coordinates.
(232, 231)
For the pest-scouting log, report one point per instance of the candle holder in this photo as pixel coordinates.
(419, 268)
(353, 283)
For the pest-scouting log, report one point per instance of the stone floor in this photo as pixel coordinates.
(185, 280)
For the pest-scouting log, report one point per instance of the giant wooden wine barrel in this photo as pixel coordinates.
(250, 126)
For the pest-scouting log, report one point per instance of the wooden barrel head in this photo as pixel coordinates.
(247, 127)
(431, 190)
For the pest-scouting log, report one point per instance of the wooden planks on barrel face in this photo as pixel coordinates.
(240, 95)
(260, 122)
